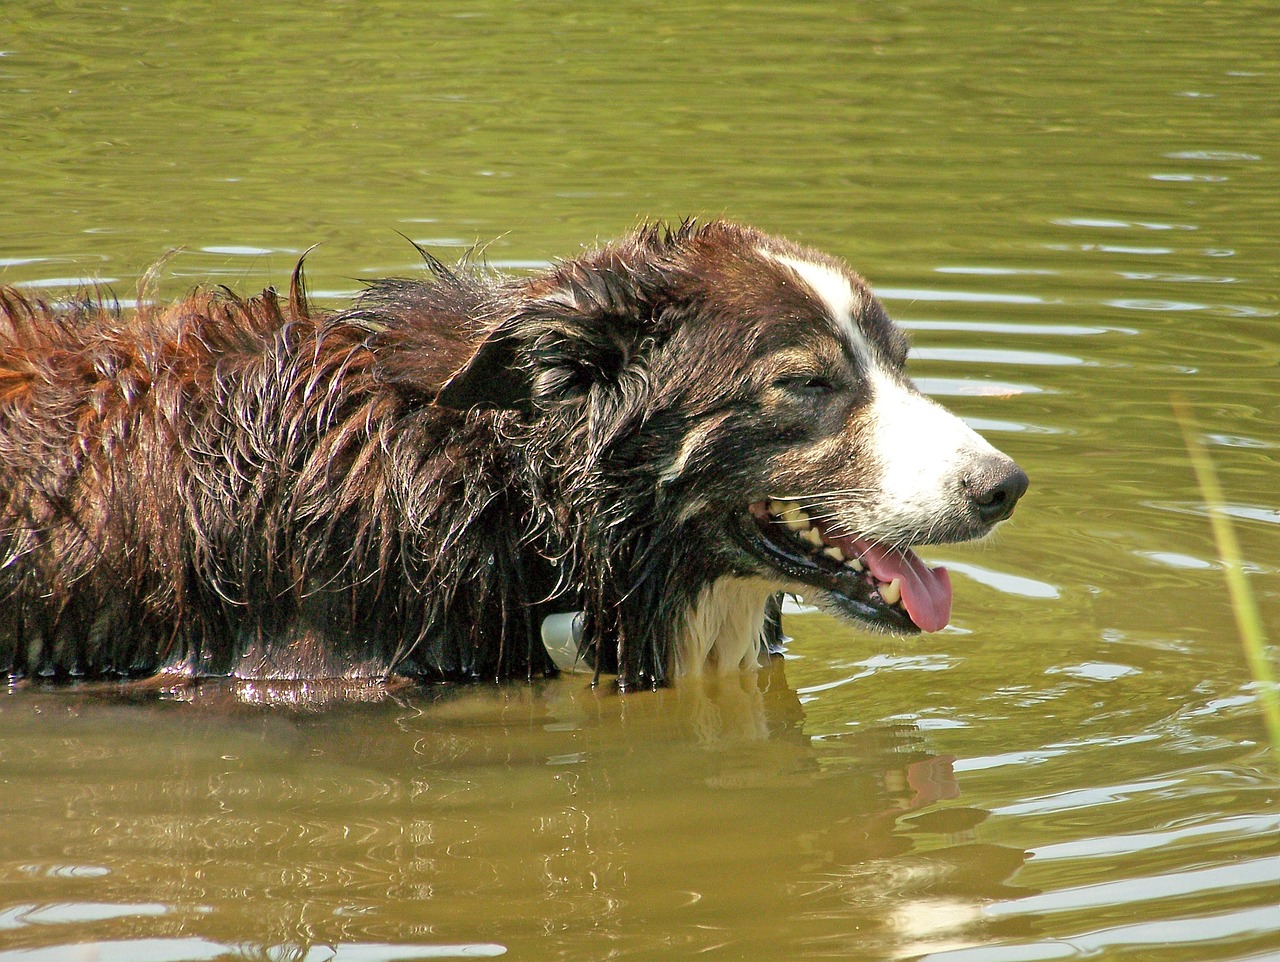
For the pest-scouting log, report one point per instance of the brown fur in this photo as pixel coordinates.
(191, 484)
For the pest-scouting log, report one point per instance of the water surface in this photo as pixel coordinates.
(1072, 209)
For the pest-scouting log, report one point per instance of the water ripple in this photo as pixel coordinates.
(998, 271)
(73, 283)
(985, 425)
(1110, 846)
(963, 297)
(963, 387)
(1113, 249)
(1171, 278)
(1169, 933)
(1174, 559)
(1152, 304)
(1212, 155)
(196, 950)
(1110, 224)
(1005, 327)
(1191, 178)
(995, 355)
(1084, 798)
(1002, 581)
(244, 250)
(1235, 875)
(63, 913)
(1244, 512)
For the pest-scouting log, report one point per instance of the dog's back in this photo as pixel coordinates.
(235, 486)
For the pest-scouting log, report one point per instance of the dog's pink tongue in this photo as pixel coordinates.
(926, 592)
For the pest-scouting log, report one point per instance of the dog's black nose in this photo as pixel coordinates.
(994, 487)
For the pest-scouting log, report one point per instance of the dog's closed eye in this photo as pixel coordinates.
(806, 385)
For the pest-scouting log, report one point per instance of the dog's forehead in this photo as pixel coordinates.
(833, 289)
(844, 301)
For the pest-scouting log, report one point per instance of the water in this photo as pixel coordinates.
(1071, 207)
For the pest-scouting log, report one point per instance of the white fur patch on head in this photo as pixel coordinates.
(832, 288)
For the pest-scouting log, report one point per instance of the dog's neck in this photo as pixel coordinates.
(723, 629)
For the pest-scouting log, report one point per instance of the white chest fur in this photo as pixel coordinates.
(723, 628)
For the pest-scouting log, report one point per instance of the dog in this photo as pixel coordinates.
(661, 434)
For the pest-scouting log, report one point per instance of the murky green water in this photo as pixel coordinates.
(1072, 206)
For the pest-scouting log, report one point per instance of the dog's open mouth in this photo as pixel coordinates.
(889, 588)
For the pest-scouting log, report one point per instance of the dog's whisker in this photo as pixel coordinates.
(817, 495)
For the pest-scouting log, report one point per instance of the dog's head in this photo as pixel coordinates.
(751, 396)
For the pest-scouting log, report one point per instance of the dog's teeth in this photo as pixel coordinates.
(796, 519)
(853, 563)
(777, 508)
(892, 592)
(812, 536)
(834, 553)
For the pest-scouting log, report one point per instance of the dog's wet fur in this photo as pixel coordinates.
(662, 433)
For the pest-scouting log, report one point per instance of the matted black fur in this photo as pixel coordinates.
(251, 487)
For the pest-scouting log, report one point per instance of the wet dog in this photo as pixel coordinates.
(662, 434)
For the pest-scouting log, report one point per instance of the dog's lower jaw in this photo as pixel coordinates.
(722, 630)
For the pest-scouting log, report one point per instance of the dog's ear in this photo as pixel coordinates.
(586, 325)
(492, 378)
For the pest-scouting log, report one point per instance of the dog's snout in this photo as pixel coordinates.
(994, 487)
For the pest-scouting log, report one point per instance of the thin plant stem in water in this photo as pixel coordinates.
(1248, 619)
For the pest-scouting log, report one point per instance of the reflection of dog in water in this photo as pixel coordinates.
(661, 434)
